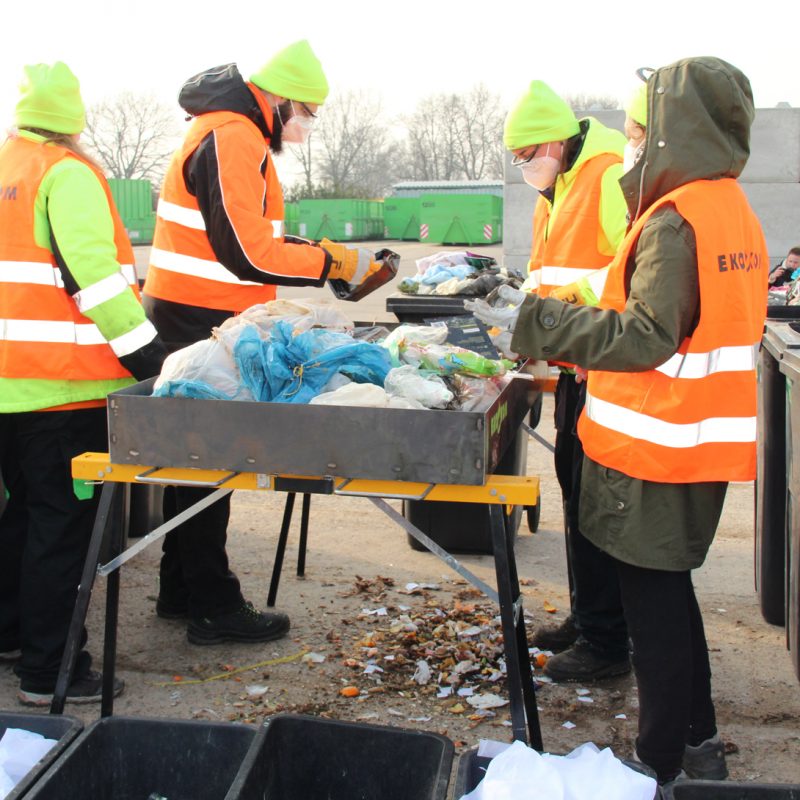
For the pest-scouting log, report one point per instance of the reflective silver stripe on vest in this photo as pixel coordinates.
(98, 293)
(669, 434)
(563, 276)
(188, 217)
(132, 341)
(38, 330)
(196, 267)
(45, 274)
(739, 358)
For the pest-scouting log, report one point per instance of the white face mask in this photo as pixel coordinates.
(541, 172)
(297, 129)
(633, 152)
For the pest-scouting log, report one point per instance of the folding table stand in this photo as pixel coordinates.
(109, 536)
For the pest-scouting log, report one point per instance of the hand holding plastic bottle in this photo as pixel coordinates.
(500, 309)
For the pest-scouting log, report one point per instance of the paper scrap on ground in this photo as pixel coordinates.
(485, 701)
(584, 774)
(568, 725)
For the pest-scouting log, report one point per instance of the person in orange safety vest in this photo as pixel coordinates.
(219, 248)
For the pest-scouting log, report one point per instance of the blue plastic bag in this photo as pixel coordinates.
(293, 369)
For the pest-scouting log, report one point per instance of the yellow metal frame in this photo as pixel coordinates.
(511, 490)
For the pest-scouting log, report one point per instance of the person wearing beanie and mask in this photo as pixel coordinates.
(670, 414)
(74, 330)
(218, 249)
(578, 223)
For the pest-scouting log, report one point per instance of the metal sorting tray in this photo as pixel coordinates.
(459, 447)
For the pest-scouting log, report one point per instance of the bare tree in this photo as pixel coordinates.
(132, 135)
(433, 139)
(591, 102)
(479, 142)
(349, 153)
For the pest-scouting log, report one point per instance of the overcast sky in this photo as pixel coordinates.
(403, 49)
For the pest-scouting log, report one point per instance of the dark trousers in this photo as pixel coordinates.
(670, 658)
(594, 586)
(44, 535)
(194, 565)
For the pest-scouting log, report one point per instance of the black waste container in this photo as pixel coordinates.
(790, 367)
(307, 758)
(121, 758)
(461, 527)
(52, 726)
(728, 790)
(472, 768)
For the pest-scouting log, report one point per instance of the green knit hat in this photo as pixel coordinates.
(636, 107)
(50, 99)
(539, 116)
(294, 73)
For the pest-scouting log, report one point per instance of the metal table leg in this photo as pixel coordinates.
(301, 554)
(72, 647)
(117, 536)
(281, 549)
(518, 666)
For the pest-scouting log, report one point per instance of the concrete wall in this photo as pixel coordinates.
(771, 181)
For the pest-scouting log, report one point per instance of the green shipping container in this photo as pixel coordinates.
(134, 201)
(291, 219)
(461, 219)
(341, 220)
(401, 218)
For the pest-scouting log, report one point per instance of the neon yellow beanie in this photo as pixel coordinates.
(636, 107)
(294, 73)
(50, 99)
(539, 116)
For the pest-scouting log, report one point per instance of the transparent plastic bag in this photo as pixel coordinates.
(474, 394)
(403, 334)
(408, 383)
(204, 370)
(365, 395)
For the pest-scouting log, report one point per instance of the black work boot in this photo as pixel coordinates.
(706, 761)
(556, 637)
(243, 624)
(584, 663)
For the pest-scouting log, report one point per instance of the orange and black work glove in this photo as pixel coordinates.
(351, 264)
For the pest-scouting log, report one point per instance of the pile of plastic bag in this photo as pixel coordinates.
(459, 273)
(301, 352)
(587, 773)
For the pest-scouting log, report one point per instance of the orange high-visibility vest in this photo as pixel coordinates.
(183, 266)
(43, 333)
(693, 418)
(575, 245)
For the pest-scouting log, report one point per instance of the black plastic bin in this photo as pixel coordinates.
(472, 768)
(728, 790)
(63, 729)
(416, 309)
(308, 758)
(129, 758)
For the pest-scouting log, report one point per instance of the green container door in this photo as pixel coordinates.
(401, 218)
(291, 219)
(341, 220)
(461, 219)
(134, 201)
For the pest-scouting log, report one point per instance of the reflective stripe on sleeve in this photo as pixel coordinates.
(45, 274)
(669, 434)
(196, 267)
(133, 340)
(98, 293)
(364, 261)
(188, 217)
(277, 228)
(740, 358)
(562, 276)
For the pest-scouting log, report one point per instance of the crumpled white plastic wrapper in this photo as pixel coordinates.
(353, 394)
(20, 750)
(587, 773)
(209, 362)
(421, 391)
(302, 315)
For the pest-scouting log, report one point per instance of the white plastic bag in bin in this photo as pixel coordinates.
(587, 773)
(408, 383)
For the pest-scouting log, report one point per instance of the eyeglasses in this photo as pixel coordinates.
(518, 161)
(308, 111)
